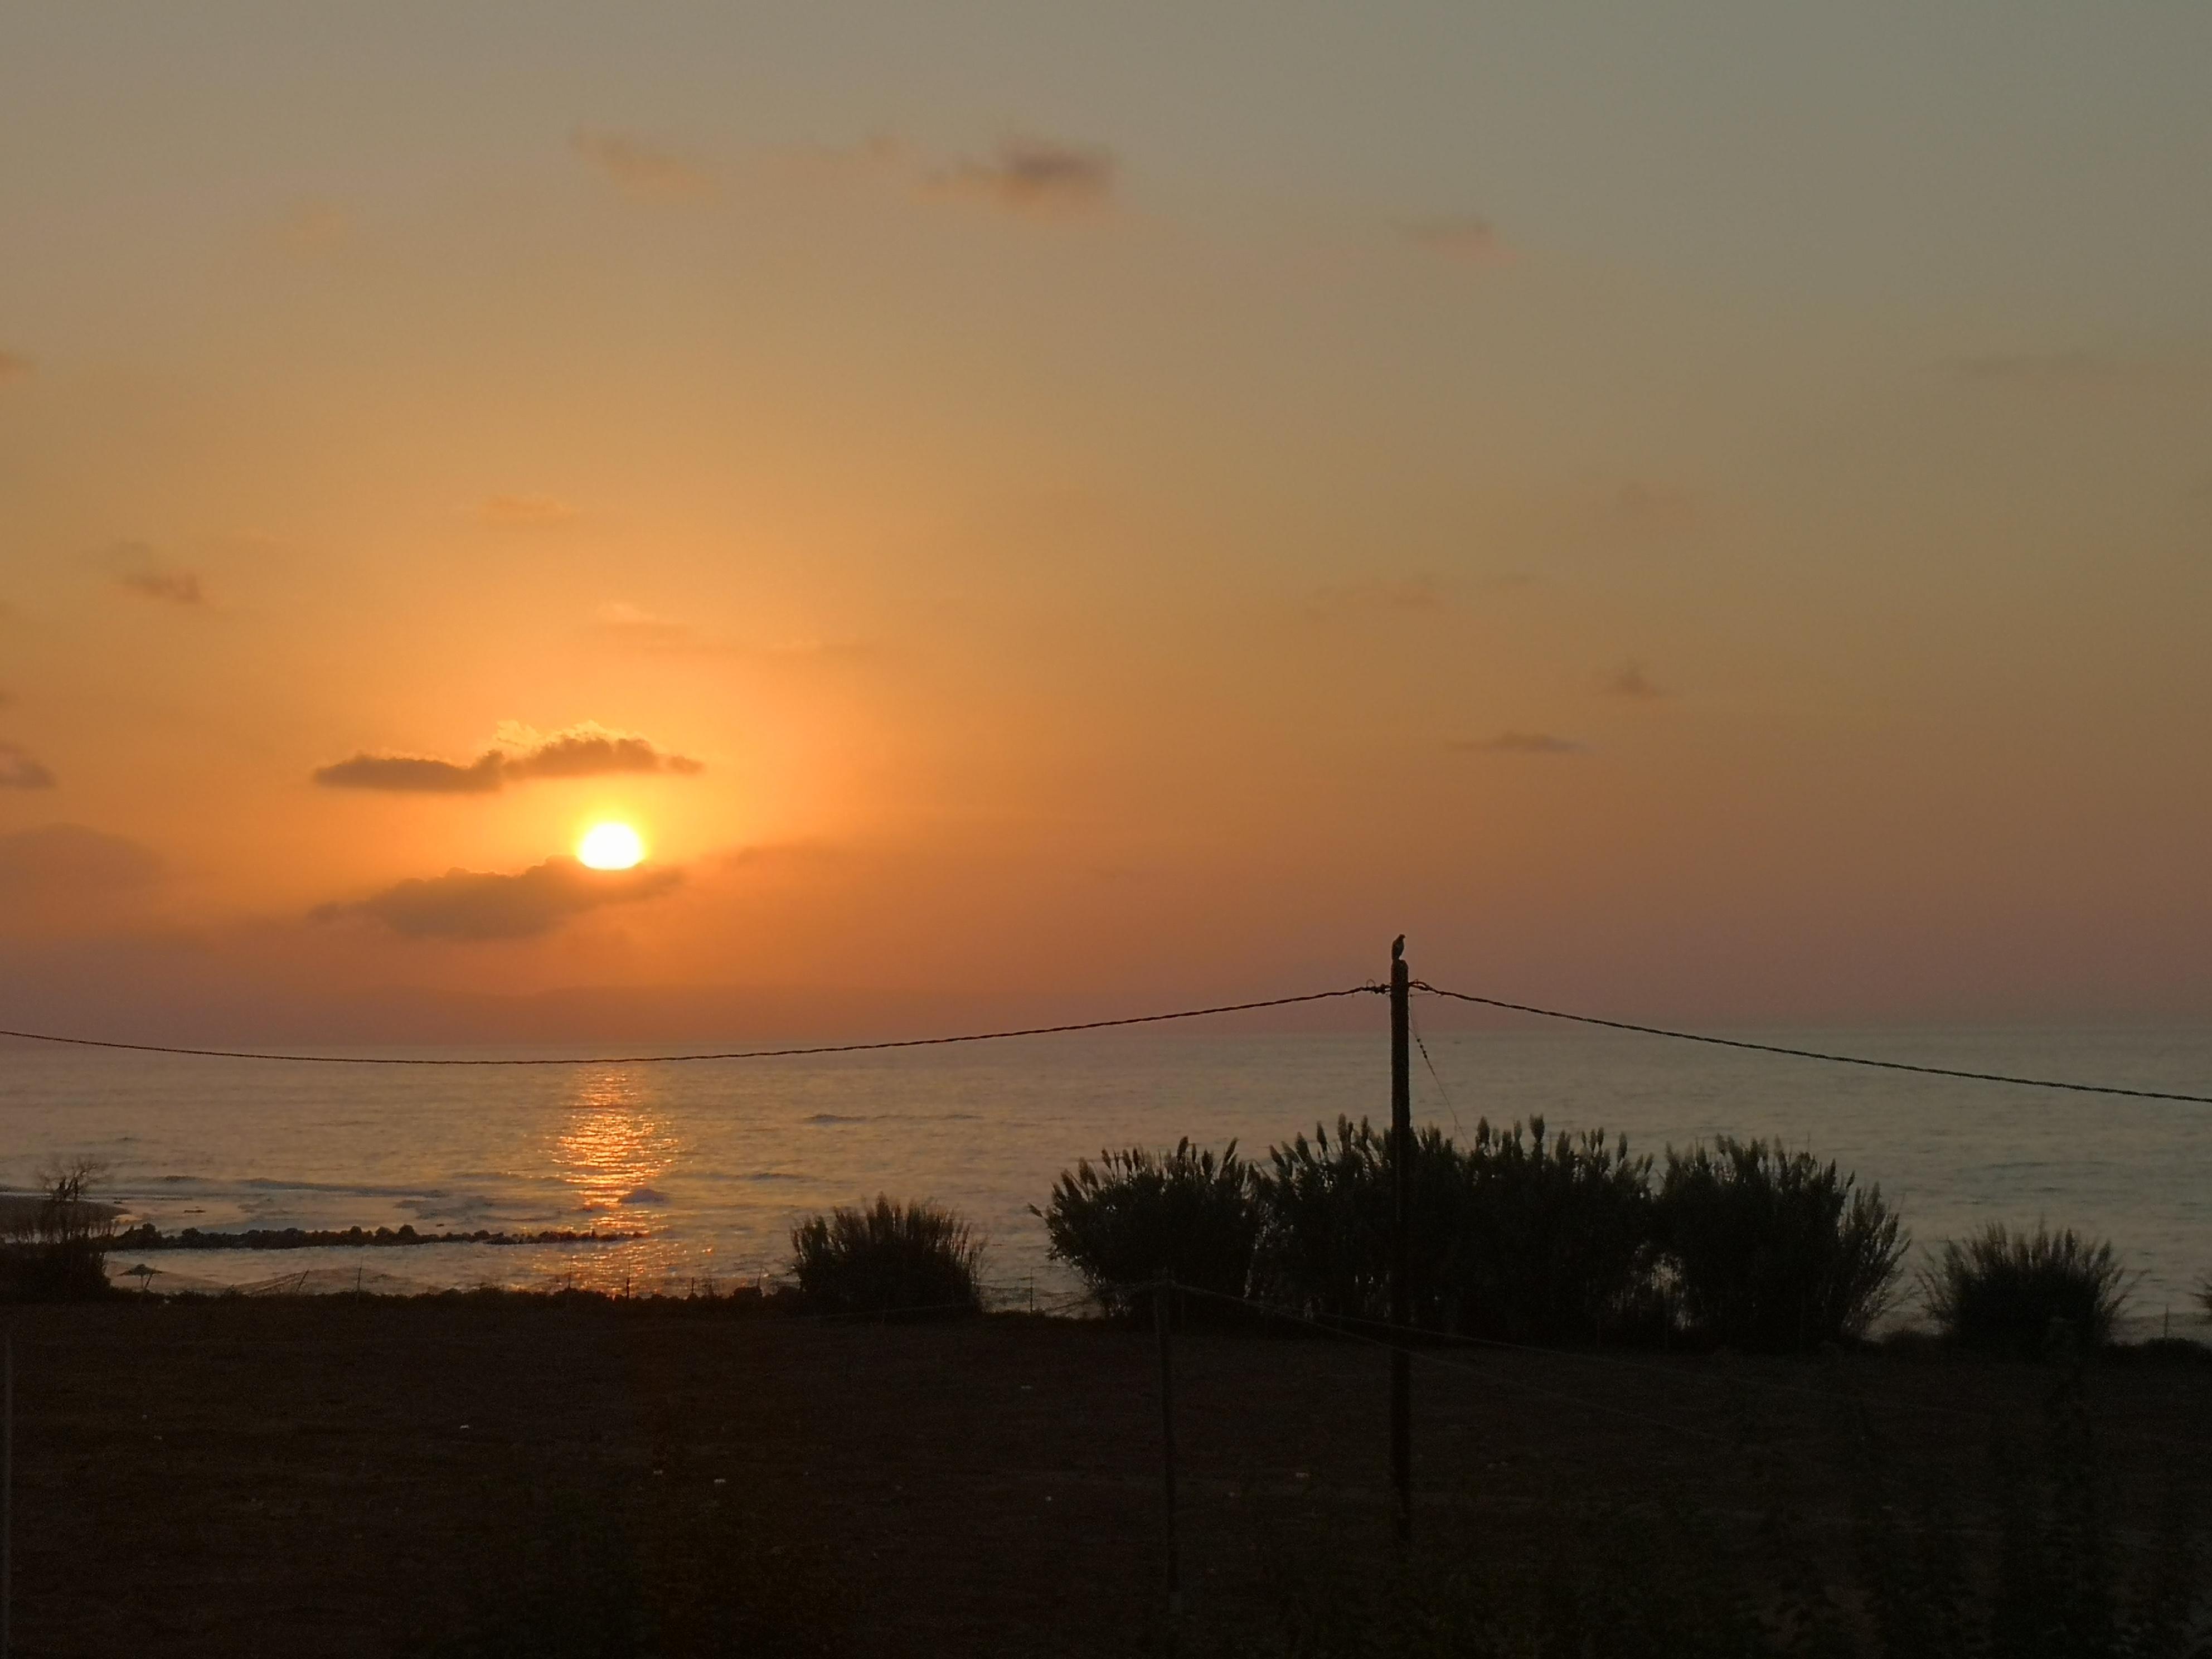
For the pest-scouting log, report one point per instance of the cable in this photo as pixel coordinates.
(1442, 1092)
(1813, 1054)
(676, 1059)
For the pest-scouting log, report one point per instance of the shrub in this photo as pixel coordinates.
(1555, 1236)
(2003, 1291)
(57, 1252)
(891, 1258)
(1325, 1210)
(1136, 1216)
(1520, 1235)
(1774, 1250)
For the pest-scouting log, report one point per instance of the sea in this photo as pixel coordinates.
(710, 1164)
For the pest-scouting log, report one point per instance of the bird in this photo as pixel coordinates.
(1397, 947)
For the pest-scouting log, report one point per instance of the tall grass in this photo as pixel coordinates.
(2008, 1292)
(888, 1258)
(57, 1251)
(1774, 1250)
(1137, 1216)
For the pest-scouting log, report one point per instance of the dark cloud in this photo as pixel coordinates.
(522, 512)
(13, 368)
(1656, 509)
(639, 167)
(1633, 682)
(18, 770)
(1419, 592)
(414, 775)
(1037, 175)
(67, 858)
(1475, 241)
(1523, 743)
(582, 751)
(465, 905)
(138, 569)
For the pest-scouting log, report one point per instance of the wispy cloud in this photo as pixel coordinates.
(1656, 509)
(69, 858)
(521, 753)
(471, 907)
(522, 512)
(1461, 237)
(138, 569)
(1523, 743)
(1631, 682)
(640, 167)
(312, 229)
(20, 769)
(14, 368)
(1416, 592)
(1031, 175)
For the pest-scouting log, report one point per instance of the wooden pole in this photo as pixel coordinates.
(1402, 1214)
(8, 1497)
(1160, 1294)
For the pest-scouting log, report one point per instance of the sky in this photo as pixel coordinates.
(1701, 511)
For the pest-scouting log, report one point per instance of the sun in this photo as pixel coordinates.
(610, 846)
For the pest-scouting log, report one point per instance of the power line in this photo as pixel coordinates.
(1813, 1054)
(677, 1060)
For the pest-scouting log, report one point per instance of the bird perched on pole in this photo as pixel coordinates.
(1397, 947)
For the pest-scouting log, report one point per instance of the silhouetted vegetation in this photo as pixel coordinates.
(887, 1258)
(2004, 1292)
(148, 1236)
(55, 1250)
(1774, 1250)
(1136, 1217)
(1519, 1236)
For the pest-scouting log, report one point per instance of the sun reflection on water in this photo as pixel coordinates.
(611, 1149)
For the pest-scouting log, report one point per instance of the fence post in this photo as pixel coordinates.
(1160, 1322)
(1402, 1208)
(8, 1496)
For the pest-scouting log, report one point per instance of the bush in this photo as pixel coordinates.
(1326, 1209)
(888, 1259)
(1776, 1251)
(1137, 1216)
(1556, 1237)
(2003, 1292)
(1519, 1237)
(57, 1252)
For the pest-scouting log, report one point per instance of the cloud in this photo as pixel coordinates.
(465, 905)
(1631, 682)
(311, 229)
(18, 770)
(586, 751)
(522, 512)
(13, 368)
(1464, 238)
(1656, 509)
(640, 168)
(137, 568)
(1418, 592)
(414, 775)
(57, 858)
(1523, 743)
(1036, 176)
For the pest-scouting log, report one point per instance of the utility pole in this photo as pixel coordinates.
(1161, 1314)
(1401, 1216)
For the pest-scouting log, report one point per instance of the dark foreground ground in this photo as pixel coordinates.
(550, 1476)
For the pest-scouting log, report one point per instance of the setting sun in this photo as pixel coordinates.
(610, 846)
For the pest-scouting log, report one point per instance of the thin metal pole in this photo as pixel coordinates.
(1160, 1294)
(1401, 1210)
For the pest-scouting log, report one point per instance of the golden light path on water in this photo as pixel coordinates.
(610, 1149)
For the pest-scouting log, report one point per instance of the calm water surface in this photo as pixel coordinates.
(714, 1162)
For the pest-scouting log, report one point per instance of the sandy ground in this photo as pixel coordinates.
(346, 1477)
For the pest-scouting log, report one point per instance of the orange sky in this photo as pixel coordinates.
(1048, 510)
